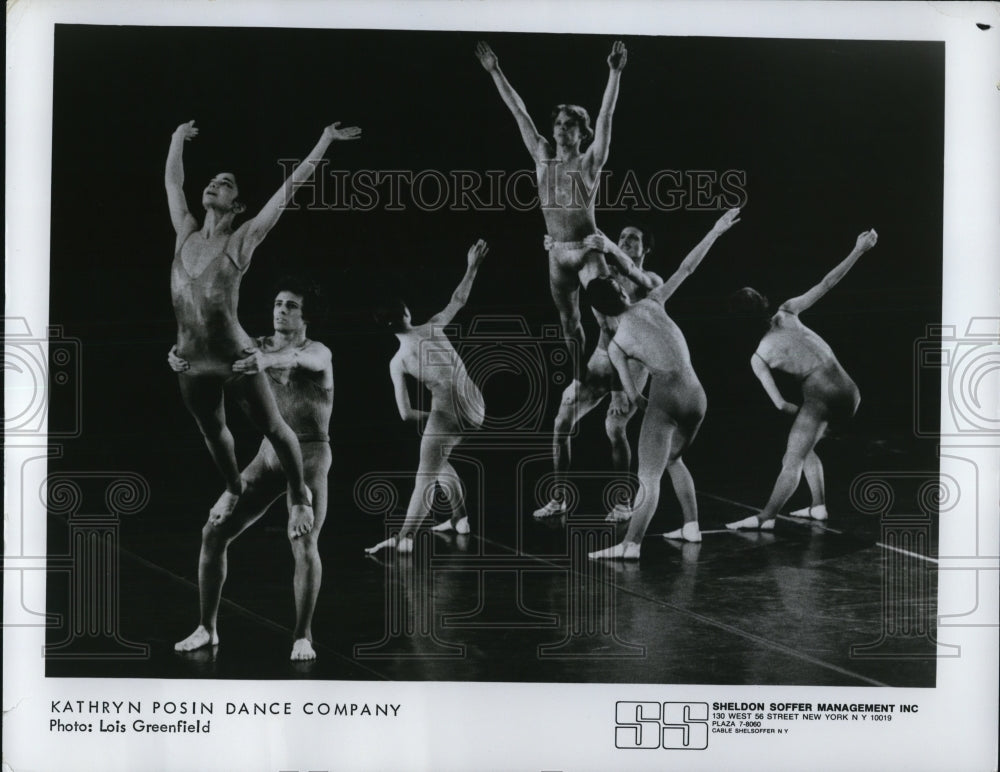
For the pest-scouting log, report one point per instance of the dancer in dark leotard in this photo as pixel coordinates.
(209, 263)
(828, 393)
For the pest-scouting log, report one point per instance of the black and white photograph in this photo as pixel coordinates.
(488, 386)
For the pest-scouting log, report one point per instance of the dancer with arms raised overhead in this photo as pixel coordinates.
(210, 260)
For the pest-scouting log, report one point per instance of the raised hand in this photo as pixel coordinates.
(477, 253)
(186, 131)
(867, 240)
(727, 221)
(177, 364)
(486, 56)
(618, 56)
(333, 132)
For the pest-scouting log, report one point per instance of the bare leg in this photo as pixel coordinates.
(565, 287)
(441, 434)
(261, 490)
(578, 399)
(654, 449)
(203, 397)
(452, 485)
(684, 487)
(263, 411)
(616, 427)
(806, 431)
(670, 424)
(308, 567)
(813, 470)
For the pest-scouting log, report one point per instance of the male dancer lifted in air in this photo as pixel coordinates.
(600, 379)
(301, 376)
(209, 262)
(566, 176)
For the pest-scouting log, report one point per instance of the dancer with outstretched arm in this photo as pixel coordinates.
(456, 404)
(676, 404)
(210, 260)
(828, 393)
(599, 379)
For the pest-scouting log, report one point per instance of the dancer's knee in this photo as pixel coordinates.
(792, 463)
(305, 547)
(216, 537)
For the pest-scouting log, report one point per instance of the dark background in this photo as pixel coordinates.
(834, 137)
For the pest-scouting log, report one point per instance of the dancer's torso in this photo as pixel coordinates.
(205, 288)
(429, 358)
(303, 401)
(567, 206)
(647, 334)
(791, 347)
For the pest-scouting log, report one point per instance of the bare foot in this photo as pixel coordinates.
(752, 523)
(627, 550)
(303, 649)
(551, 509)
(300, 520)
(458, 526)
(199, 638)
(390, 543)
(689, 532)
(405, 544)
(223, 508)
(620, 514)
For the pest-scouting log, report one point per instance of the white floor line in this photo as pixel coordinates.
(811, 522)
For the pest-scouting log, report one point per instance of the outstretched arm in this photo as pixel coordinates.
(477, 252)
(797, 305)
(534, 141)
(173, 178)
(406, 411)
(257, 228)
(602, 129)
(763, 373)
(687, 266)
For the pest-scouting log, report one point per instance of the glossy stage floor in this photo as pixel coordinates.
(847, 602)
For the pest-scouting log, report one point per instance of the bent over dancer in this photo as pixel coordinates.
(209, 262)
(600, 379)
(301, 376)
(828, 393)
(456, 404)
(567, 182)
(676, 404)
